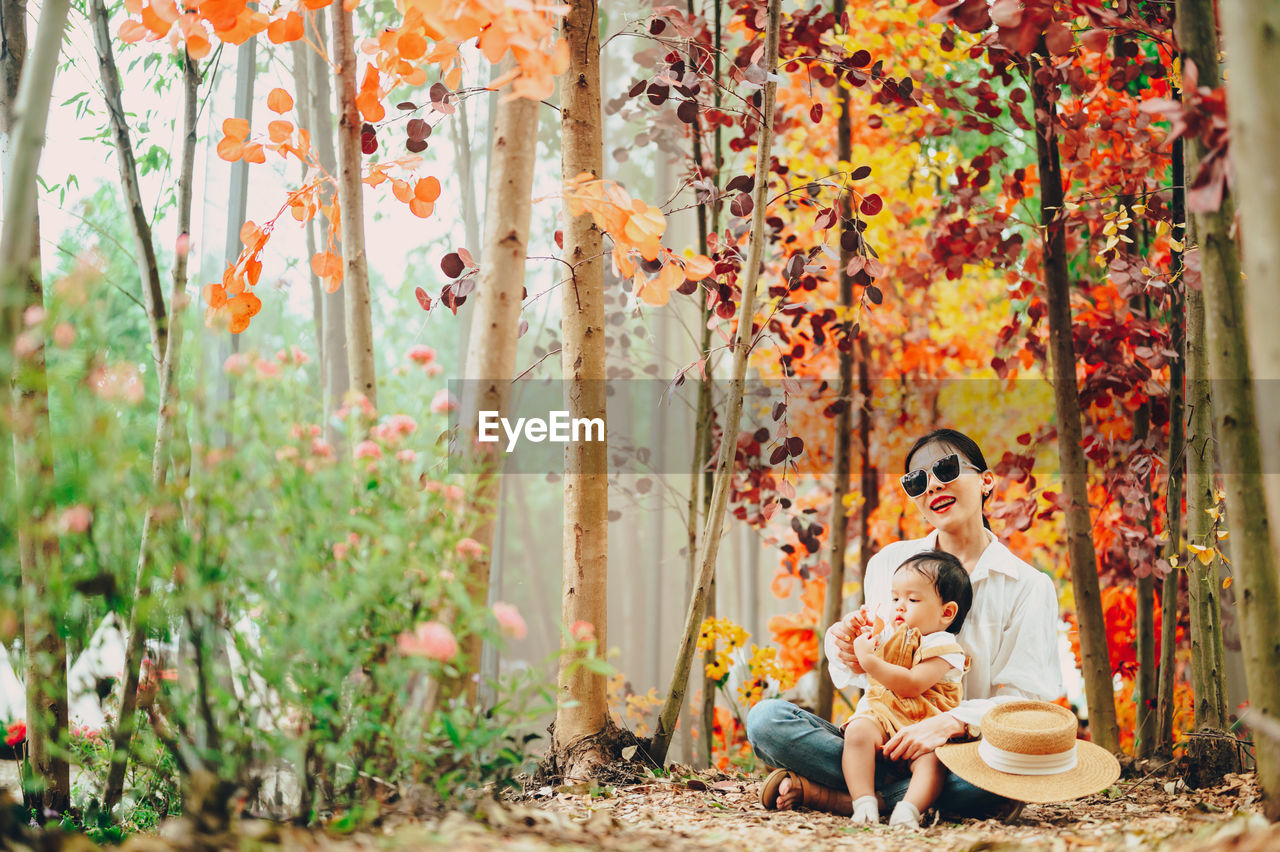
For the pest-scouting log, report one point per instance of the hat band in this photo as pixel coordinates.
(1016, 763)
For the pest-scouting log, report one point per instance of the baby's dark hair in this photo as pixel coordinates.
(949, 579)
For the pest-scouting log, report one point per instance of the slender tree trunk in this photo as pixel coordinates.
(740, 345)
(1202, 580)
(870, 476)
(1144, 692)
(1217, 359)
(1252, 443)
(839, 521)
(1173, 493)
(355, 280)
(302, 82)
(337, 377)
(165, 418)
(28, 87)
(1075, 473)
(144, 247)
(460, 131)
(582, 718)
(491, 355)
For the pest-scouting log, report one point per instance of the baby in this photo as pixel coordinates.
(912, 671)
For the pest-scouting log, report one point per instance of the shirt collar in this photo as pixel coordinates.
(995, 558)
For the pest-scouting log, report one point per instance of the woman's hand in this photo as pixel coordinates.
(843, 633)
(922, 737)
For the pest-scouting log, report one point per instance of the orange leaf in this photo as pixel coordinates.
(249, 232)
(427, 189)
(421, 209)
(698, 267)
(402, 191)
(198, 46)
(326, 264)
(419, 76)
(370, 107)
(288, 28)
(230, 149)
(453, 78)
(166, 10)
(215, 295)
(253, 153)
(279, 101)
(411, 46)
(152, 21)
(236, 128)
(253, 271)
(131, 31)
(280, 131)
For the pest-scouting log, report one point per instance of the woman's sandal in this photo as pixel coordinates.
(812, 794)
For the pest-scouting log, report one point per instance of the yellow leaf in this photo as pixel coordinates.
(1173, 561)
(1226, 584)
(1204, 554)
(1223, 534)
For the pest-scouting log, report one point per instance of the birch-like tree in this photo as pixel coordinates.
(24, 110)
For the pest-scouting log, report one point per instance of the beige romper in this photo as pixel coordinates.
(892, 711)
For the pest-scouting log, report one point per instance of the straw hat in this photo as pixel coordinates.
(1029, 752)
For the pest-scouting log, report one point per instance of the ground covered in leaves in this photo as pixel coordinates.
(688, 811)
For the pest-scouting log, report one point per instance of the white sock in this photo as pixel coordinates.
(865, 809)
(905, 813)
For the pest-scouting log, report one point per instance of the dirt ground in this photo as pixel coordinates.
(719, 812)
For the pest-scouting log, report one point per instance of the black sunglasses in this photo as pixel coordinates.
(945, 469)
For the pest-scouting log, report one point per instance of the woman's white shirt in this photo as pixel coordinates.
(1010, 633)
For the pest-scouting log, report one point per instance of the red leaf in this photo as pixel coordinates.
(423, 299)
(871, 205)
(815, 113)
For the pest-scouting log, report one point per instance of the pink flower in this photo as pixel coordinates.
(431, 639)
(510, 620)
(433, 370)
(469, 548)
(422, 355)
(433, 485)
(321, 448)
(443, 402)
(28, 343)
(33, 315)
(236, 364)
(453, 493)
(401, 424)
(286, 453)
(75, 519)
(16, 733)
(583, 631)
(118, 382)
(63, 335)
(340, 550)
(368, 450)
(266, 369)
(406, 456)
(292, 355)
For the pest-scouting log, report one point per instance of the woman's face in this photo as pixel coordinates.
(950, 506)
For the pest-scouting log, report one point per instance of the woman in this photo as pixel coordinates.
(1011, 636)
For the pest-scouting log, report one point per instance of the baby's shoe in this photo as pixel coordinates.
(905, 814)
(865, 810)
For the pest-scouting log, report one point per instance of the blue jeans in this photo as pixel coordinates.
(786, 736)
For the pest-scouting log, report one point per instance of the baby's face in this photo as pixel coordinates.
(915, 602)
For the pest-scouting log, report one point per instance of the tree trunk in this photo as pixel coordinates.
(1251, 33)
(832, 606)
(337, 377)
(1216, 356)
(1075, 475)
(740, 345)
(144, 247)
(1173, 493)
(582, 730)
(165, 418)
(491, 353)
(355, 279)
(302, 82)
(28, 86)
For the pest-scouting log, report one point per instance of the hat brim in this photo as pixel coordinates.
(1096, 769)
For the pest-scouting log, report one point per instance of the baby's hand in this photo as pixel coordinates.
(864, 646)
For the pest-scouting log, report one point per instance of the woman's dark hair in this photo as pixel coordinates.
(949, 579)
(958, 441)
